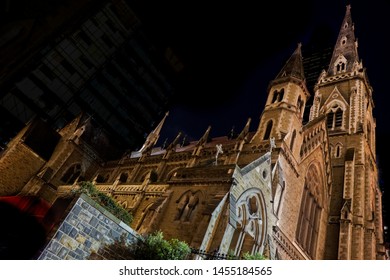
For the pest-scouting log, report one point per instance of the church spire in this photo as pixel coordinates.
(153, 136)
(293, 66)
(287, 96)
(345, 54)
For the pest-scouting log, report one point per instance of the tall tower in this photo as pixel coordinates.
(344, 95)
(283, 112)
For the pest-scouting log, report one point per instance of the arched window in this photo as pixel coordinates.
(190, 207)
(249, 235)
(335, 118)
(186, 206)
(300, 105)
(338, 150)
(340, 67)
(340, 64)
(329, 120)
(281, 95)
(338, 118)
(102, 179)
(268, 130)
(310, 212)
(123, 177)
(293, 139)
(72, 174)
(275, 96)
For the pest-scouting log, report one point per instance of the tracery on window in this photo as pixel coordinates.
(340, 65)
(251, 222)
(277, 96)
(335, 118)
(310, 211)
(186, 206)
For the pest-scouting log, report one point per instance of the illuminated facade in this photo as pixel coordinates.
(288, 190)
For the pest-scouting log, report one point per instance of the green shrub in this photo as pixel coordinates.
(256, 256)
(155, 247)
(105, 201)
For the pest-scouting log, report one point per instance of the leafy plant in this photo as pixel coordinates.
(256, 256)
(105, 201)
(152, 247)
(230, 255)
(155, 247)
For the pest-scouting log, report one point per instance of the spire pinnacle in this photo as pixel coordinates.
(153, 136)
(205, 136)
(245, 130)
(293, 66)
(345, 54)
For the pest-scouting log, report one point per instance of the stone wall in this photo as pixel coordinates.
(17, 165)
(85, 229)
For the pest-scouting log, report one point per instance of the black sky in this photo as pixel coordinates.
(232, 50)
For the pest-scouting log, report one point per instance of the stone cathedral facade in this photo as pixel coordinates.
(289, 190)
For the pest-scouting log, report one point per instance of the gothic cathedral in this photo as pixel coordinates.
(289, 190)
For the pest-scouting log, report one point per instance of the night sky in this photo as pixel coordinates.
(232, 50)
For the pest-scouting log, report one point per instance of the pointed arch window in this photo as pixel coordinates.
(340, 65)
(338, 118)
(278, 95)
(123, 178)
(338, 150)
(329, 120)
(186, 207)
(300, 104)
(249, 235)
(275, 96)
(310, 212)
(268, 130)
(102, 179)
(335, 118)
(281, 95)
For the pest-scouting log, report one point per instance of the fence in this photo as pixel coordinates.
(212, 255)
